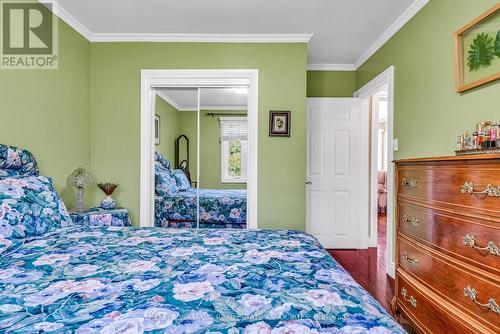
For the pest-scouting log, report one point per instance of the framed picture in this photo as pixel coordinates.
(477, 51)
(279, 123)
(157, 130)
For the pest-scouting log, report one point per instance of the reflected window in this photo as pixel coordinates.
(234, 149)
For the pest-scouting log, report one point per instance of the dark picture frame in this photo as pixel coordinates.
(157, 129)
(279, 123)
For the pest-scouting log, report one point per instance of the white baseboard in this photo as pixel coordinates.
(391, 269)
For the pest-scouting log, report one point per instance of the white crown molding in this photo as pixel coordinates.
(204, 38)
(70, 20)
(168, 100)
(406, 16)
(165, 37)
(331, 67)
(174, 104)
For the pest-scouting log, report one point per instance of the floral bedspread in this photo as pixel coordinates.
(218, 208)
(101, 217)
(153, 280)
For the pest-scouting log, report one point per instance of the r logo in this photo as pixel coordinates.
(29, 35)
(27, 28)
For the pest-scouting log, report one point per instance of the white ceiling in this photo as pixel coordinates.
(218, 99)
(345, 31)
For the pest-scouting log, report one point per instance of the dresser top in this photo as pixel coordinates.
(491, 156)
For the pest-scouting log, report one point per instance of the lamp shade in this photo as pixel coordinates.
(80, 178)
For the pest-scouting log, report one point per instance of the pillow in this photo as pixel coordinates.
(29, 206)
(181, 179)
(161, 159)
(165, 184)
(16, 162)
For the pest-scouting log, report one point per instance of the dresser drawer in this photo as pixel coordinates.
(467, 186)
(426, 314)
(471, 240)
(452, 282)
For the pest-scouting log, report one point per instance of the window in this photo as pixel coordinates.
(234, 149)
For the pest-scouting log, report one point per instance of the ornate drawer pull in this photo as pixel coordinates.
(470, 240)
(411, 300)
(411, 260)
(490, 190)
(491, 304)
(413, 183)
(412, 221)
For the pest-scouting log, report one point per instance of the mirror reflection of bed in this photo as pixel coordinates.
(201, 158)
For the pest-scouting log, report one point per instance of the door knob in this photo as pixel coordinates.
(309, 182)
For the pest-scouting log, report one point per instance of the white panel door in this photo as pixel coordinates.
(334, 171)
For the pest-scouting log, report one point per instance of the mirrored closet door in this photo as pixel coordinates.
(176, 157)
(223, 157)
(201, 159)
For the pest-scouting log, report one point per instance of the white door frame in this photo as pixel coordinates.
(365, 93)
(151, 79)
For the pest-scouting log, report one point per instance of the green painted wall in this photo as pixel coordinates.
(331, 83)
(115, 116)
(188, 127)
(170, 122)
(47, 111)
(428, 113)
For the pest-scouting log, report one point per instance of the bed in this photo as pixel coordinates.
(176, 202)
(135, 280)
(218, 208)
(59, 277)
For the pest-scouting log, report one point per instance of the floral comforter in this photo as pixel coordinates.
(133, 280)
(218, 208)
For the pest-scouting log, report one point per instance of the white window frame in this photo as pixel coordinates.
(224, 157)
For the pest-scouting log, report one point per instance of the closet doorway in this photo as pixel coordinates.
(199, 148)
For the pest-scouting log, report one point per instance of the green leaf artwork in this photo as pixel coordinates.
(497, 44)
(481, 53)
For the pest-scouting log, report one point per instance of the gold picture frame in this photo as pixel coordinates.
(475, 70)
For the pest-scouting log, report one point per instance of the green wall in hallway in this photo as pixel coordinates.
(331, 83)
(115, 115)
(47, 111)
(428, 113)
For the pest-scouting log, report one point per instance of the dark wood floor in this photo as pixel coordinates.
(368, 267)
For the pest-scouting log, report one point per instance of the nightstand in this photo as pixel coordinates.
(101, 217)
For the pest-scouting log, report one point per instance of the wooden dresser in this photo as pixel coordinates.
(448, 244)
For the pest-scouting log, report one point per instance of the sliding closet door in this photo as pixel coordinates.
(176, 172)
(223, 157)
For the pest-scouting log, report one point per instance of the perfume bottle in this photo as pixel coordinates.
(498, 136)
(493, 134)
(460, 143)
(474, 140)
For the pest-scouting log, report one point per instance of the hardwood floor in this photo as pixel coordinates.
(368, 267)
